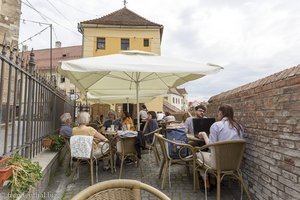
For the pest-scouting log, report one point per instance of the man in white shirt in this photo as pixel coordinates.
(143, 116)
(160, 115)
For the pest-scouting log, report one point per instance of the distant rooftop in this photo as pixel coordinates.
(177, 91)
(42, 56)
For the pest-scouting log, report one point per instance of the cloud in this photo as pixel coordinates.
(250, 39)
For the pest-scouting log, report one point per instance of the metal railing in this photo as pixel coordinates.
(30, 105)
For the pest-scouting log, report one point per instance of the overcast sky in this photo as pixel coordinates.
(250, 39)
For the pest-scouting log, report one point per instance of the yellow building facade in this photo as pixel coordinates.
(139, 39)
(118, 31)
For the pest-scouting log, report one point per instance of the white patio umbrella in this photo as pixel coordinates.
(133, 73)
(119, 99)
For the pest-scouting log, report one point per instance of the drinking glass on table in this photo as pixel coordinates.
(124, 127)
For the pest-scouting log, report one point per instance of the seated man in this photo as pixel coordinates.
(200, 111)
(111, 121)
(66, 129)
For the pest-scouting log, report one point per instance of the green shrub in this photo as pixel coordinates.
(58, 142)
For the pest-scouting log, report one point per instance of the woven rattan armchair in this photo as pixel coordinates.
(225, 160)
(82, 149)
(126, 149)
(152, 146)
(168, 161)
(118, 189)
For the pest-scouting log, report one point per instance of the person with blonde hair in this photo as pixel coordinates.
(66, 129)
(83, 119)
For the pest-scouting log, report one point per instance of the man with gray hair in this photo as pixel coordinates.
(111, 121)
(66, 129)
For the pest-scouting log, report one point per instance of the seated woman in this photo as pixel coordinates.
(127, 121)
(83, 119)
(225, 129)
(151, 125)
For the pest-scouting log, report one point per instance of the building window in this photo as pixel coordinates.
(72, 91)
(62, 79)
(146, 42)
(173, 100)
(100, 43)
(124, 44)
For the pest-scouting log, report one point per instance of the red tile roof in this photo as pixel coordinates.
(42, 56)
(123, 17)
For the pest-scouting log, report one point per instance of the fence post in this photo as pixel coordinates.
(29, 107)
(2, 80)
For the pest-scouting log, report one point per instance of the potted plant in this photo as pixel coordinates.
(6, 170)
(57, 142)
(47, 142)
(25, 175)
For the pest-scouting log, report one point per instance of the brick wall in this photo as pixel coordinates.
(269, 110)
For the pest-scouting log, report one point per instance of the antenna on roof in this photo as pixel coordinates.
(125, 2)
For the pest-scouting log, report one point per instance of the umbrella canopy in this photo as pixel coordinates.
(120, 99)
(132, 73)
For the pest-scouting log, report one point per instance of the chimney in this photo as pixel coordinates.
(57, 44)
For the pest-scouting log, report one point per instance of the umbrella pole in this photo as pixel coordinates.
(137, 105)
(127, 104)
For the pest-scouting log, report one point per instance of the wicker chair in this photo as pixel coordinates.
(226, 158)
(118, 189)
(82, 149)
(152, 146)
(168, 161)
(126, 149)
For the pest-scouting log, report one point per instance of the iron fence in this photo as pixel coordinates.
(30, 104)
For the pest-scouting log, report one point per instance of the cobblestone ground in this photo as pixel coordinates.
(181, 184)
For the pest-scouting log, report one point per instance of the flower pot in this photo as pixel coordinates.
(47, 142)
(6, 171)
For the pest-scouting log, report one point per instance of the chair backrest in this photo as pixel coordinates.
(118, 189)
(81, 146)
(182, 148)
(163, 146)
(228, 154)
(153, 134)
(127, 145)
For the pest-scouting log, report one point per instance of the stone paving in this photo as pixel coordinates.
(181, 184)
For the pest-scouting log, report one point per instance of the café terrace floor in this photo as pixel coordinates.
(62, 187)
